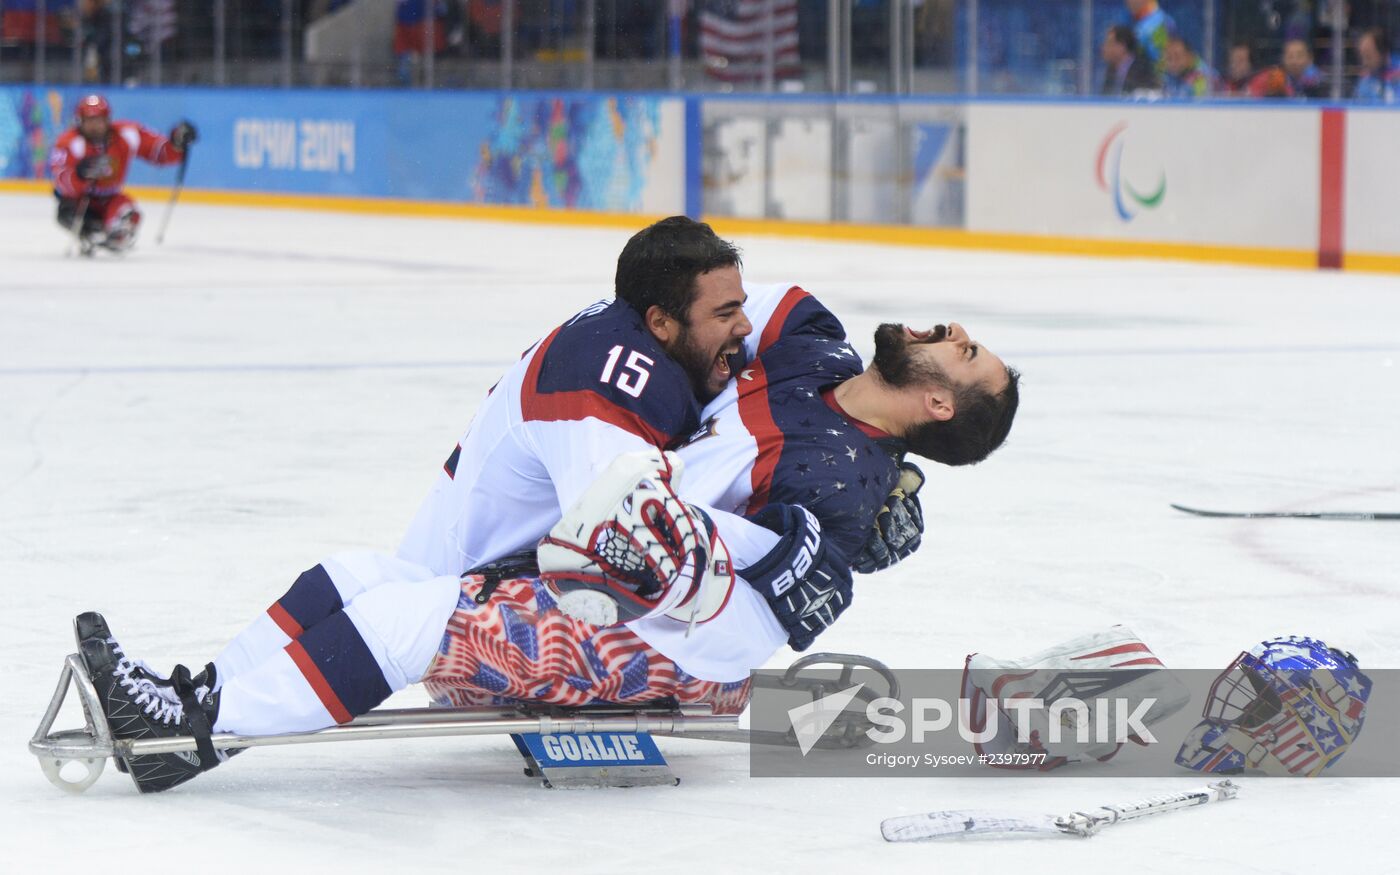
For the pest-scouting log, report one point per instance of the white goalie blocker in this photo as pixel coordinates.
(1119, 681)
(630, 548)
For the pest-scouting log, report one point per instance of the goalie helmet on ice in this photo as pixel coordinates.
(1288, 706)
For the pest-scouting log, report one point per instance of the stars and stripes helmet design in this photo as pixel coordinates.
(1288, 706)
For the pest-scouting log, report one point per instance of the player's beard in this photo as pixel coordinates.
(896, 364)
(698, 364)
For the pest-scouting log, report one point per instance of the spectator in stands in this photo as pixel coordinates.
(96, 32)
(410, 39)
(1129, 70)
(1188, 77)
(1302, 79)
(1241, 71)
(1295, 77)
(1153, 28)
(1380, 76)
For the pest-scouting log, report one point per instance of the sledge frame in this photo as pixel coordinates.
(94, 744)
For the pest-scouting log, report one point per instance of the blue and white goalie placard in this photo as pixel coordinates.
(594, 759)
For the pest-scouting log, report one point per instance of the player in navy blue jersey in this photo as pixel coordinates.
(806, 437)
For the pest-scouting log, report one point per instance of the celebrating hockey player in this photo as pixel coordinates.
(89, 164)
(636, 596)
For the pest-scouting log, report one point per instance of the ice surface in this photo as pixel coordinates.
(184, 430)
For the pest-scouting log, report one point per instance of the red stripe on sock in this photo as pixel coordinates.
(318, 683)
(284, 621)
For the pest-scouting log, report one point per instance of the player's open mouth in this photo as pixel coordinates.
(722, 361)
(934, 335)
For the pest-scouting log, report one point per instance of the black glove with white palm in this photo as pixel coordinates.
(631, 548)
(899, 527)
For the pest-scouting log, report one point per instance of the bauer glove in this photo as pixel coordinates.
(805, 581)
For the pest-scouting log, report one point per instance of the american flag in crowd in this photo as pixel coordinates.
(734, 38)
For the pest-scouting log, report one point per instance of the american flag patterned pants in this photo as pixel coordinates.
(518, 646)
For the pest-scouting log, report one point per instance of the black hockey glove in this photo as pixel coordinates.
(899, 527)
(94, 167)
(183, 135)
(806, 582)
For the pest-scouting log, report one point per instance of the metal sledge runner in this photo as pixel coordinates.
(594, 746)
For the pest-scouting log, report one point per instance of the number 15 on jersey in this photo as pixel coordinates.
(633, 376)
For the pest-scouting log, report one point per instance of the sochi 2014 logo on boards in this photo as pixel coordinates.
(1108, 173)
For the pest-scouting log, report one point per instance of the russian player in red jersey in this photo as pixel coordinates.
(88, 165)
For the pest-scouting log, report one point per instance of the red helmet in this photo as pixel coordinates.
(93, 106)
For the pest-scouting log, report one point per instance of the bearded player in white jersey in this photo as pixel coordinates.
(636, 595)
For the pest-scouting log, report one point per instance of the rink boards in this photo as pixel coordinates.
(1279, 184)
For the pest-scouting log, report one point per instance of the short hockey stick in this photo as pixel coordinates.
(951, 824)
(1301, 515)
(174, 195)
(76, 229)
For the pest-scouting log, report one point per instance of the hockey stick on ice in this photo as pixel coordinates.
(951, 824)
(174, 195)
(1300, 515)
(76, 229)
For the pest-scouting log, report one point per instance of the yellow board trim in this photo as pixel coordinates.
(897, 235)
(1371, 262)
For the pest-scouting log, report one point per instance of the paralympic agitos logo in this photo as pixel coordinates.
(1108, 172)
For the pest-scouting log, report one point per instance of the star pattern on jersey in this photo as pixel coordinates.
(851, 452)
(791, 395)
(1354, 686)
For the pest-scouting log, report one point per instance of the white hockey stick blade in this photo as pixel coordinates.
(952, 824)
(961, 824)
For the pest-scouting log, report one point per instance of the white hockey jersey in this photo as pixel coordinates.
(600, 385)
